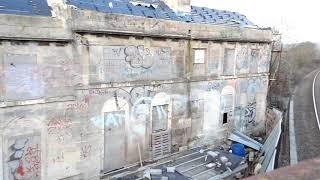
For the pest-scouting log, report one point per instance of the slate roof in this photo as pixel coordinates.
(25, 7)
(157, 9)
(214, 16)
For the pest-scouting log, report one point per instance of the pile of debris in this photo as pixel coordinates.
(260, 157)
(206, 164)
(241, 156)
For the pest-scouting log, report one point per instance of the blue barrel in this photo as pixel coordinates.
(238, 149)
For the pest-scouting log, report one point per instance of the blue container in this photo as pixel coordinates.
(238, 149)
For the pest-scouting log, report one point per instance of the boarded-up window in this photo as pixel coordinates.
(254, 60)
(161, 144)
(22, 77)
(227, 102)
(159, 118)
(199, 56)
(229, 62)
(24, 157)
(114, 140)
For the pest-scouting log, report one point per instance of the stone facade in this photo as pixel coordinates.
(81, 92)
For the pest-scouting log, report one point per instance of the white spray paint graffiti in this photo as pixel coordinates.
(140, 112)
(135, 62)
(179, 105)
(138, 57)
(115, 119)
(97, 121)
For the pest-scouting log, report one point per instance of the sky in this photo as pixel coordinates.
(297, 20)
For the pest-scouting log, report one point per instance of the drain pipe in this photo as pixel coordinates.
(189, 74)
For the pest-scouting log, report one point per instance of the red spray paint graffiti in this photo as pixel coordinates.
(60, 126)
(78, 107)
(59, 158)
(85, 151)
(32, 157)
(62, 74)
(25, 160)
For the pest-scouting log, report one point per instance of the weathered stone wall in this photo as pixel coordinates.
(32, 70)
(83, 101)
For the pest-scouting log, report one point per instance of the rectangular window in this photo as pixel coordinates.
(22, 77)
(228, 64)
(199, 56)
(225, 118)
(160, 118)
(255, 53)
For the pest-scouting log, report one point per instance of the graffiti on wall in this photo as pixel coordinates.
(135, 62)
(114, 119)
(25, 159)
(141, 98)
(250, 114)
(60, 127)
(252, 89)
(159, 117)
(85, 151)
(250, 86)
(138, 57)
(135, 73)
(217, 85)
(179, 105)
(98, 92)
(148, 107)
(26, 79)
(63, 74)
(243, 86)
(143, 92)
(78, 107)
(138, 117)
(245, 116)
(59, 158)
